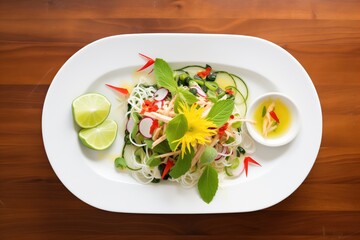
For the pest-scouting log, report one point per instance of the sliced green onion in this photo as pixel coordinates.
(211, 85)
(193, 83)
(235, 164)
(228, 171)
(200, 82)
(183, 76)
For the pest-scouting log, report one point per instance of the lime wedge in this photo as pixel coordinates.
(90, 109)
(100, 137)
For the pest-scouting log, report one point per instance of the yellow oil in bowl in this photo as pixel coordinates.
(274, 119)
(282, 112)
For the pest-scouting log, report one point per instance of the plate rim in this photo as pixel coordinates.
(156, 35)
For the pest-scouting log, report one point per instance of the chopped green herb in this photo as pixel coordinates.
(263, 112)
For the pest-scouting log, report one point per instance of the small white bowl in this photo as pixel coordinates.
(284, 138)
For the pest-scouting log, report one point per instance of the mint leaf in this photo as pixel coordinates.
(208, 155)
(182, 165)
(120, 163)
(221, 111)
(186, 96)
(164, 75)
(176, 128)
(208, 184)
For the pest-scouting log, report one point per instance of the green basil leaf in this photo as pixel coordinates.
(153, 161)
(208, 155)
(120, 163)
(211, 95)
(164, 75)
(187, 96)
(220, 112)
(162, 147)
(176, 129)
(182, 164)
(208, 184)
(148, 143)
(177, 104)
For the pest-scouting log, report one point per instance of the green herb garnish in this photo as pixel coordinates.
(176, 129)
(208, 184)
(182, 165)
(221, 111)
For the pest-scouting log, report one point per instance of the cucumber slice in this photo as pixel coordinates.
(241, 85)
(192, 70)
(241, 109)
(239, 98)
(236, 168)
(240, 102)
(130, 159)
(224, 79)
(139, 155)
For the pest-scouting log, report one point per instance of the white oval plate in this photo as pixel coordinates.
(91, 175)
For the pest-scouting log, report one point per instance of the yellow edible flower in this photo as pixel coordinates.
(199, 130)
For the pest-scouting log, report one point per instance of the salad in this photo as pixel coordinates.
(186, 128)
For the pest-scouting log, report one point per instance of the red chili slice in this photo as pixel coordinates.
(154, 126)
(248, 160)
(205, 73)
(149, 62)
(119, 89)
(168, 165)
(274, 116)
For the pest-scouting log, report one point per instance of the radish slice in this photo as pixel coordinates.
(145, 126)
(159, 104)
(219, 156)
(161, 94)
(130, 124)
(199, 91)
(223, 151)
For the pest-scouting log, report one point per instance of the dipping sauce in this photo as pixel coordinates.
(272, 118)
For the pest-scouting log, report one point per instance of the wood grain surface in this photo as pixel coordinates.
(37, 37)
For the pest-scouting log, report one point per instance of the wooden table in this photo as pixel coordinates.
(37, 37)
